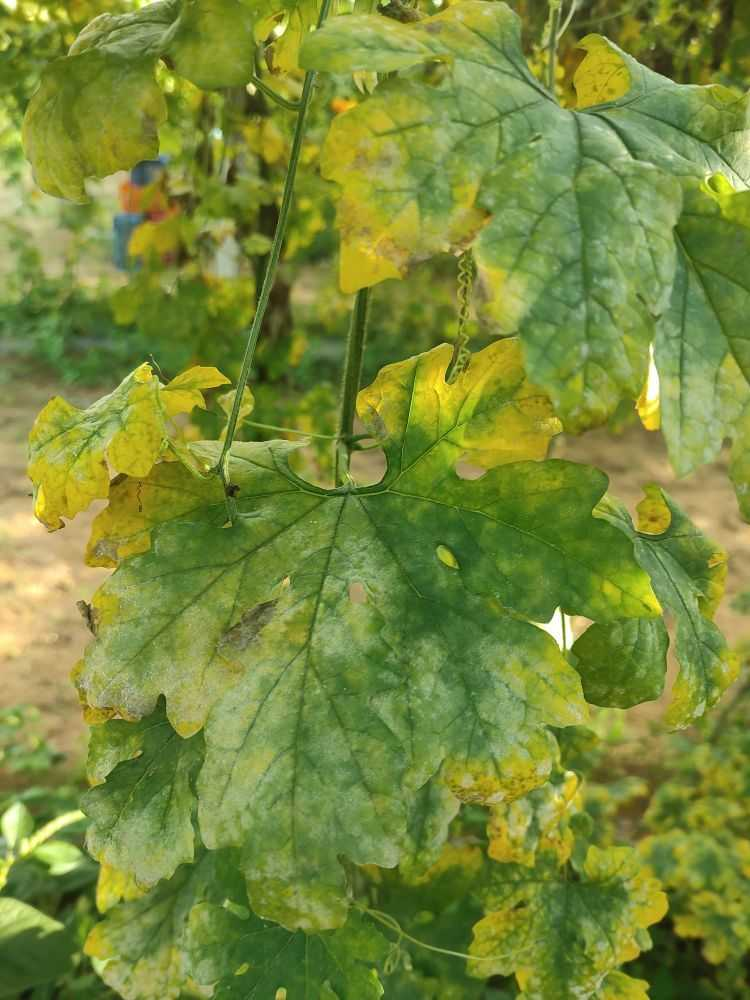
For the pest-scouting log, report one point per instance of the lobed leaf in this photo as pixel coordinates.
(570, 212)
(336, 654)
(72, 452)
(141, 816)
(622, 664)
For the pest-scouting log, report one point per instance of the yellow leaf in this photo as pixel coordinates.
(603, 75)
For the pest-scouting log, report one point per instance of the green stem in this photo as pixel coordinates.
(289, 430)
(273, 263)
(272, 95)
(554, 28)
(355, 349)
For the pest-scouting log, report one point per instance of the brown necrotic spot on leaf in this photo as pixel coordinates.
(357, 592)
(247, 629)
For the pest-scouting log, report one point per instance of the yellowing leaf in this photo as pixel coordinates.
(73, 452)
(570, 213)
(184, 392)
(330, 624)
(603, 76)
(688, 572)
(561, 937)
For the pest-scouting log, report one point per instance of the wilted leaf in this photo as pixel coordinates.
(255, 628)
(73, 452)
(73, 129)
(562, 937)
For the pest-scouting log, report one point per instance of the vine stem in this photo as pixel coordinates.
(273, 263)
(355, 350)
(554, 29)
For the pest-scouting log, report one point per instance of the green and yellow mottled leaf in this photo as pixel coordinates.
(334, 653)
(687, 571)
(193, 935)
(73, 452)
(73, 129)
(618, 986)
(570, 212)
(537, 822)
(141, 816)
(562, 938)
(701, 348)
(622, 664)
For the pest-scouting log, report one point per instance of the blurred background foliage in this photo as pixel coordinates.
(68, 315)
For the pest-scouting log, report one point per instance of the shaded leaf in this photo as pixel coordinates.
(561, 937)
(687, 571)
(34, 948)
(622, 664)
(430, 815)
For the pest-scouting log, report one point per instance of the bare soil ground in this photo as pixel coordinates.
(42, 634)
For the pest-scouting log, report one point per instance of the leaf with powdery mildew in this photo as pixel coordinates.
(702, 350)
(331, 626)
(432, 810)
(537, 822)
(687, 571)
(618, 986)
(570, 212)
(193, 935)
(72, 452)
(141, 816)
(562, 937)
(622, 664)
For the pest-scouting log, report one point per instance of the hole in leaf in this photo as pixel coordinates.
(467, 470)
(367, 468)
(357, 592)
(446, 557)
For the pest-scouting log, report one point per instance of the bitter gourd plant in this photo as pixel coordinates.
(325, 724)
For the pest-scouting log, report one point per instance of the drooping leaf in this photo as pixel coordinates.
(73, 129)
(142, 814)
(622, 664)
(570, 212)
(561, 937)
(332, 644)
(701, 348)
(687, 571)
(72, 452)
(34, 948)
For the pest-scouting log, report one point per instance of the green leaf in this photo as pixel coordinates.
(561, 937)
(72, 452)
(73, 129)
(570, 212)
(142, 816)
(701, 349)
(248, 957)
(687, 571)
(339, 657)
(34, 949)
(16, 824)
(196, 929)
(622, 664)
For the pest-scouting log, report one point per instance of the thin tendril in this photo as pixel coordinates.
(461, 354)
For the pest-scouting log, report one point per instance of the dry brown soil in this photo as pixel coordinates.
(42, 634)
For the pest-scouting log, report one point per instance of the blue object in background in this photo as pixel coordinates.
(124, 224)
(145, 172)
